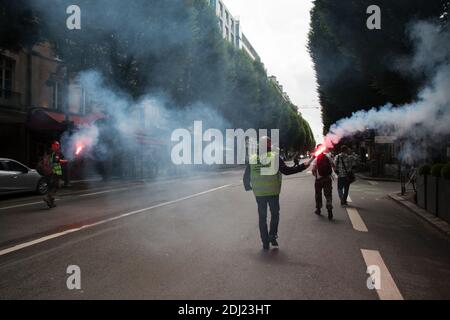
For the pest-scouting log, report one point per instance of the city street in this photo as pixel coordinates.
(198, 238)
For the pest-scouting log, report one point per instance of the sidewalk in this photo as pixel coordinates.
(408, 202)
(365, 176)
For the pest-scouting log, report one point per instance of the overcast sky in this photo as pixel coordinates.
(278, 30)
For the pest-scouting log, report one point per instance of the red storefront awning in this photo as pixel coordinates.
(40, 119)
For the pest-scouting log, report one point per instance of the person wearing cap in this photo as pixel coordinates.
(265, 179)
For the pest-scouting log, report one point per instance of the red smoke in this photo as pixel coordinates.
(319, 151)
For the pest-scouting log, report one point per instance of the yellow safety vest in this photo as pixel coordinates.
(56, 166)
(264, 185)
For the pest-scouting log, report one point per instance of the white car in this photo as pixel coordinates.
(16, 177)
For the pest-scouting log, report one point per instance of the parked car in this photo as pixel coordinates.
(15, 177)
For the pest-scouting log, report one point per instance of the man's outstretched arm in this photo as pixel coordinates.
(284, 169)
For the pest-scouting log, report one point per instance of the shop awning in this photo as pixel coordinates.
(40, 119)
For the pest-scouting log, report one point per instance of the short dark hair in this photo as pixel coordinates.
(344, 148)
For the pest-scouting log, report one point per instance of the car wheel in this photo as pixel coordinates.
(42, 187)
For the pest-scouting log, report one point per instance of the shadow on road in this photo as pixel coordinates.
(278, 257)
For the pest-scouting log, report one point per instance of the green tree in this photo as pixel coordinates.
(175, 46)
(357, 68)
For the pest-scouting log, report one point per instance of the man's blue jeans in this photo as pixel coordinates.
(343, 189)
(274, 203)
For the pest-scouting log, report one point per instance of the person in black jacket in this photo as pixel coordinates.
(322, 169)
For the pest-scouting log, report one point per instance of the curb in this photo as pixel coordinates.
(363, 177)
(436, 222)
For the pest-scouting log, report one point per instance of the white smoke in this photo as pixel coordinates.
(151, 116)
(85, 138)
(425, 120)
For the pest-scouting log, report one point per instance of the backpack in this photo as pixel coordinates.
(324, 166)
(44, 166)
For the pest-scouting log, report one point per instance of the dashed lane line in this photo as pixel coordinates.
(60, 234)
(24, 205)
(70, 195)
(357, 221)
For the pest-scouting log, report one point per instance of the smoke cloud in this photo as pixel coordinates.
(424, 122)
(153, 116)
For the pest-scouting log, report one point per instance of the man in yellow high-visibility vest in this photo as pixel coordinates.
(54, 180)
(266, 187)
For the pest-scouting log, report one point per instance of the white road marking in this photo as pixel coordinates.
(24, 205)
(388, 289)
(357, 221)
(373, 183)
(103, 192)
(56, 235)
(349, 199)
(71, 195)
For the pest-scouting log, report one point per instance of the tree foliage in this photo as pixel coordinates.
(358, 68)
(18, 26)
(173, 46)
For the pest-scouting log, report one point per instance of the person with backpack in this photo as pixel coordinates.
(322, 169)
(345, 162)
(53, 169)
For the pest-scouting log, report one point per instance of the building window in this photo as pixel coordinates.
(86, 105)
(6, 76)
(227, 33)
(57, 97)
(221, 9)
(227, 17)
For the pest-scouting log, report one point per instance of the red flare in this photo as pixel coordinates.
(79, 149)
(320, 151)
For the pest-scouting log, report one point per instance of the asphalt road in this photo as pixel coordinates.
(198, 238)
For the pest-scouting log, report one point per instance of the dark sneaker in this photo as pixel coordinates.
(48, 202)
(274, 243)
(330, 215)
(317, 212)
(266, 246)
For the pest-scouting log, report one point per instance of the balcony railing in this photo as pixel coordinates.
(10, 100)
